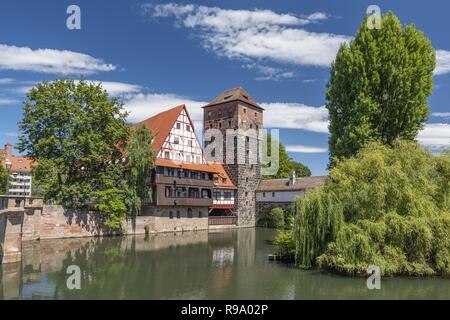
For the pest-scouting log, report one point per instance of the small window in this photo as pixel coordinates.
(220, 124)
(264, 194)
(209, 114)
(251, 126)
(200, 214)
(176, 140)
(256, 115)
(178, 214)
(210, 125)
(224, 180)
(167, 154)
(188, 127)
(245, 110)
(229, 124)
(220, 113)
(246, 179)
(188, 158)
(273, 194)
(171, 214)
(246, 193)
(197, 159)
(189, 213)
(178, 125)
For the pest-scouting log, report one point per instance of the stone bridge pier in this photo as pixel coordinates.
(11, 235)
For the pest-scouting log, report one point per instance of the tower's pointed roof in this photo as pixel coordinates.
(161, 124)
(237, 93)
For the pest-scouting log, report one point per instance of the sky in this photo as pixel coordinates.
(156, 55)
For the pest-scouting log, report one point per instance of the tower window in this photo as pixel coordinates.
(220, 124)
(256, 114)
(245, 110)
(229, 124)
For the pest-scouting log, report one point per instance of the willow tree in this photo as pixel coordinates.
(386, 206)
(378, 87)
(139, 163)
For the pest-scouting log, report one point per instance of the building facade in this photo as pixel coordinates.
(238, 118)
(19, 181)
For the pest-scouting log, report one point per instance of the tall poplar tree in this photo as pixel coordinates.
(379, 86)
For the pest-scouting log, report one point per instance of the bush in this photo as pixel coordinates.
(274, 219)
(387, 206)
(285, 243)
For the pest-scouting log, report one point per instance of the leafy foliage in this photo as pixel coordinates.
(78, 135)
(386, 206)
(286, 163)
(285, 243)
(378, 87)
(3, 180)
(140, 157)
(274, 218)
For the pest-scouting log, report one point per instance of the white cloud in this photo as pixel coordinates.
(145, 105)
(10, 134)
(63, 62)
(441, 114)
(435, 135)
(442, 62)
(295, 116)
(8, 101)
(256, 34)
(118, 88)
(269, 73)
(6, 80)
(305, 149)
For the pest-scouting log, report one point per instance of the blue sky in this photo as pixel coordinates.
(155, 55)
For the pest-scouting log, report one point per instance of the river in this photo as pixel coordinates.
(228, 264)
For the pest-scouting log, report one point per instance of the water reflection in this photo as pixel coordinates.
(222, 265)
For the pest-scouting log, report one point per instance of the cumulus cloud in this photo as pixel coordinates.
(269, 73)
(255, 34)
(276, 114)
(295, 116)
(63, 62)
(8, 101)
(441, 114)
(305, 149)
(435, 135)
(144, 105)
(442, 62)
(6, 80)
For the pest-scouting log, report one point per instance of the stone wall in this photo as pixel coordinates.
(11, 236)
(262, 208)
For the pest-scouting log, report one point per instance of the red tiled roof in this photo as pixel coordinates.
(19, 164)
(301, 183)
(220, 175)
(184, 165)
(161, 124)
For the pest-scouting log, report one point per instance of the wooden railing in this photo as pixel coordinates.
(222, 220)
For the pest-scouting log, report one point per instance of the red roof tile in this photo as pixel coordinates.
(19, 164)
(221, 175)
(161, 124)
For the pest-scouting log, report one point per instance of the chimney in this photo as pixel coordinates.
(292, 178)
(8, 150)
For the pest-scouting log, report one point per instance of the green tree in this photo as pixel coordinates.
(274, 219)
(286, 163)
(386, 206)
(3, 179)
(88, 157)
(378, 87)
(139, 163)
(78, 130)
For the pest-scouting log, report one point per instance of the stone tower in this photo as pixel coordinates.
(235, 111)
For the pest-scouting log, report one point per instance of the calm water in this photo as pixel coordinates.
(223, 265)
